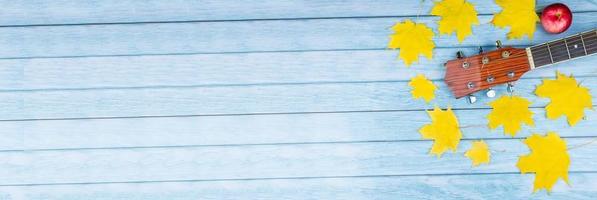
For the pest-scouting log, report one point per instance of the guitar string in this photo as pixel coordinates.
(540, 57)
(544, 59)
(520, 54)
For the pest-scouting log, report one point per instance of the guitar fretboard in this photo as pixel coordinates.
(578, 45)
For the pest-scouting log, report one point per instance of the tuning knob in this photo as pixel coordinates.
(510, 87)
(471, 99)
(498, 44)
(459, 55)
(490, 93)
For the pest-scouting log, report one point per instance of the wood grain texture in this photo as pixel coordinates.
(255, 36)
(263, 129)
(12, 136)
(582, 186)
(238, 69)
(295, 98)
(477, 73)
(184, 99)
(264, 161)
(40, 12)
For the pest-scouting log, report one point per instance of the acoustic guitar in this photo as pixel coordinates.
(505, 65)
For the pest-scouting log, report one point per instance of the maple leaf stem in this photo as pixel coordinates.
(473, 126)
(498, 151)
(583, 144)
(419, 11)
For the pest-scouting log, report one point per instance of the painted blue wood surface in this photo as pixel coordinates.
(514, 186)
(41, 12)
(283, 99)
(236, 37)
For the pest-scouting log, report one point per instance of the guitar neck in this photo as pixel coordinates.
(575, 46)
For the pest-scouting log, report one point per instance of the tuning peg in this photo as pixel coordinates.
(459, 54)
(498, 44)
(510, 87)
(471, 99)
(490, 93)
(480, 49)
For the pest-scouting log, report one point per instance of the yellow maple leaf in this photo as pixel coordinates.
(456, 16)
(412, 39)
(548, 159)
(519, 15)
(567, 98)
(510, 112)
(422, 88)
(444, 130)
(478, 153)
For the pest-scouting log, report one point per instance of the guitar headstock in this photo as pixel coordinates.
(467, 75)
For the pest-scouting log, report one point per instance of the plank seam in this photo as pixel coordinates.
(236, 20)
(266, 144)
(273, 178)
(218, 21)
(233, 52)
(240, 114)
(236, 85)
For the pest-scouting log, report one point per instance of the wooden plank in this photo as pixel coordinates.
(237, 69)
(11, 136)
(238, 36)
(490, 186)
(28, 91)
(39, 12)
(264, 161)
(256, 99)
(265, 129)
(13, 104)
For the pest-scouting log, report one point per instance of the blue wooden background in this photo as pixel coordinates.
(244, 99)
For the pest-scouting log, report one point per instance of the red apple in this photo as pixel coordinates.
(556, 18)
